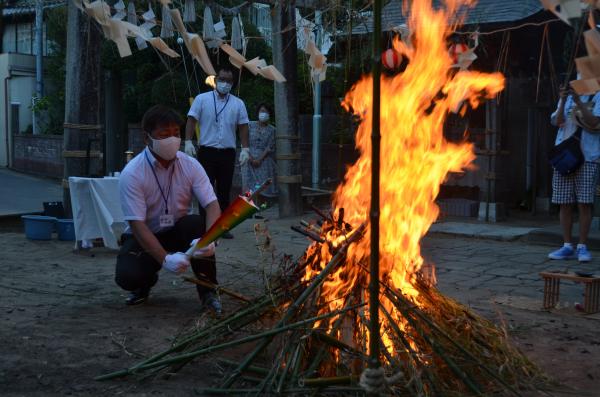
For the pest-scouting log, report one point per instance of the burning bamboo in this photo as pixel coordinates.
(414, 340)
(297, 303)
(420, 379)
(308, 233)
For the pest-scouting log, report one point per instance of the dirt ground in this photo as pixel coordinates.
(64, 321)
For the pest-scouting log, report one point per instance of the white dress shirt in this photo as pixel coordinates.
(141, 197)
(590, 143)
(218, 118)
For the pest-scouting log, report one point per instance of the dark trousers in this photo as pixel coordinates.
(219, 165)
(137, 269)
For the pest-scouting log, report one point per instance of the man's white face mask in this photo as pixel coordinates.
(166, 148)
(223, 87)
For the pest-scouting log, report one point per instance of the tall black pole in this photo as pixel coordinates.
(374, 338)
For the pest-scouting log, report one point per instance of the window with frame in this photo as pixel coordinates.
(9, 39)
(20, 38)
(24, 38)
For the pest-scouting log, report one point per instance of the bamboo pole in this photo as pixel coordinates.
(297, 304)
(406, 345)
(298, 355)
(374, 337)
(286, 369)
(338, 344)
(226, 323)
(217, 288)
(253, 379)
(296, 390)
(319, 356)
(328, 381)
(236, 342)
(251, 368)
(272, 375)
(437, 348)
(463, 350)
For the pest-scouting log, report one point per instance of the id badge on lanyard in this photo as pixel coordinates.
(167, 220)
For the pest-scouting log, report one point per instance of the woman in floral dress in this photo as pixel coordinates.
(261, 165)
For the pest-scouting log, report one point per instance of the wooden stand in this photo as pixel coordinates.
(591, 295)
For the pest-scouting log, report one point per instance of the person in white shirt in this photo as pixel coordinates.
(580, 186)
(156, 189)
(220, 114)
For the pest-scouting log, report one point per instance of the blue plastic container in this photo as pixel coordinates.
(66, 230)
(38, 227)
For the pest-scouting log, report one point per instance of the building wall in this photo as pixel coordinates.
(38, 154)
(17, 79)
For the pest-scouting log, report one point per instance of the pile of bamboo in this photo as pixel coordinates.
(441, 348)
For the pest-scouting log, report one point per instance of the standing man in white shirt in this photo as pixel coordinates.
(156, 189)
(220, 114)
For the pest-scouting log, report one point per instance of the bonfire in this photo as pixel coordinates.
(318, 340)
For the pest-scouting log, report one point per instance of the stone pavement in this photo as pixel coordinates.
(493, 231)
(553, 235)
(24, 194)
(535, 231)
(478, 272)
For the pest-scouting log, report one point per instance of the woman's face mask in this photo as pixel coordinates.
(263, 116)
(166, 148)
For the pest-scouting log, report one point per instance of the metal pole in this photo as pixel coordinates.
(316, 126)
(374, 339)
(39, 55)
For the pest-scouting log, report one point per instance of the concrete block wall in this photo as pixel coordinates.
(38, 154)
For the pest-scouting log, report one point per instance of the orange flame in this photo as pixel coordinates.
(415, 157)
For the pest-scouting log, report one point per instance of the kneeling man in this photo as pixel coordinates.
(156, 189)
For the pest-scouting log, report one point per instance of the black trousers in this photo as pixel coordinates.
(219, 165)
(137, 269)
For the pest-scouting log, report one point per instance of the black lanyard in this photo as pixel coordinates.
(223, 108)
(162, 193)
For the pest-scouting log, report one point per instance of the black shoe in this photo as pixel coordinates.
(137, 297)
(227, 235)
(211, 301)
(257, 216)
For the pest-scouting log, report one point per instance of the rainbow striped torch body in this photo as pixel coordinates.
(238, 211)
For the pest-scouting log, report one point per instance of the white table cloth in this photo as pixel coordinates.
(97, 209)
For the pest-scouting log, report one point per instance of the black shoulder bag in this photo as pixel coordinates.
(567, 157)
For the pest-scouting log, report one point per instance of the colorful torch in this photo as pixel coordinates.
(241, 209)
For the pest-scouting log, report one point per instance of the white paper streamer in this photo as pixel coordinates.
(131, 15)
(208, 27)
(166, 29)
(189, 11)
(236, 35)
(120, 10)
(141, 43)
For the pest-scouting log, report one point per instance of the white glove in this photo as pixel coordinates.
(244, 155)
(177, 262)
(203, 252)
(190, 150)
